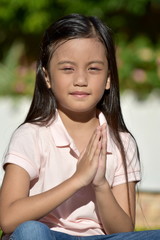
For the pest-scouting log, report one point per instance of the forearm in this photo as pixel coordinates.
(35, 207)
(114, 219)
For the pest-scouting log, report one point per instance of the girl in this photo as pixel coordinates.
(72, 166)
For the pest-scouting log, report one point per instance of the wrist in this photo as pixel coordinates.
(76, 181)
(103, 186)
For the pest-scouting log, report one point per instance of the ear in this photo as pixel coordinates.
(46, 76)
(108, 83)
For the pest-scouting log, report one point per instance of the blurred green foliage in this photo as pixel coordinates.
(0, 233)
(135, 24)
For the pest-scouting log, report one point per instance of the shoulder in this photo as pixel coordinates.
(28, 129)
(128, 140)
(130, 148)
(27, 135)
(26, 148)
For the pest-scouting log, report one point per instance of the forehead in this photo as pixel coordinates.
(79, 48)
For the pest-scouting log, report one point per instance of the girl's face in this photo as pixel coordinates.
(78, 74)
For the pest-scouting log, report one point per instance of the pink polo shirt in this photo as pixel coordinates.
(49, 155)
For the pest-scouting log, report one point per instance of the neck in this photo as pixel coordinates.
(80, 126)
(77, 120)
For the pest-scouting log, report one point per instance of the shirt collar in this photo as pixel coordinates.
(59, 132)
(63, 139)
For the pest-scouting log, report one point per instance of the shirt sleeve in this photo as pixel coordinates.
(24, 150)
(132, 162)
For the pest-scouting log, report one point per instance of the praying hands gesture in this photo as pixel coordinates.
(99, 178)
(91, 169)
(91, 166)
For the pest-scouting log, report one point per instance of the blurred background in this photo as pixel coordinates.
(136, 27)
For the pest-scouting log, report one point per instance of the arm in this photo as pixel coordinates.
(113, 207)
(112, 203)
(16, 206)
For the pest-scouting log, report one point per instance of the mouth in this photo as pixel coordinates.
(79, 94)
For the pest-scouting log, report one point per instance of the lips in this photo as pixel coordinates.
(79, 94)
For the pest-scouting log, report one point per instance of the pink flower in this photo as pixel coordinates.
(139, 75)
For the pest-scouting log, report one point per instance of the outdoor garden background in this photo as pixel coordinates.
(136, 27)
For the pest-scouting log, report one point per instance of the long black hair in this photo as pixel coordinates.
(43, 106)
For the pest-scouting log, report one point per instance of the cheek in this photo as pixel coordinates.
(55, 83)
(100, 94)
(100, 88)
(100, 83)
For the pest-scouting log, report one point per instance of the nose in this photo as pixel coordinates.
(80, 79)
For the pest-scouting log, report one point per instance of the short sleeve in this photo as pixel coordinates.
(24, 150)
(132, 162)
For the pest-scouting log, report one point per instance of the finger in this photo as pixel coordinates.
(92, 144)
(82, 153)
(91, 140)
(97, 145)
(94, 140)
(104, 140)
(94, 147)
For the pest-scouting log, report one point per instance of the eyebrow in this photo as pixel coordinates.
(64, 62)
(96, 61)
(91, 62)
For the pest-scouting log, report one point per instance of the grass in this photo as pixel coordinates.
(0, 233)
(145, 228)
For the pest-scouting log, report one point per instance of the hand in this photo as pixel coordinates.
(99, 177)
(89, 160)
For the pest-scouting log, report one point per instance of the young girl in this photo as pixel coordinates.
(72, 166)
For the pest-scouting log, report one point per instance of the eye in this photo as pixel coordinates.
(94, 69)
(68, 69)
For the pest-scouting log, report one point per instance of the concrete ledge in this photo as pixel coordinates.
(148, 210)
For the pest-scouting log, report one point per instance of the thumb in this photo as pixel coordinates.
(82, 153)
